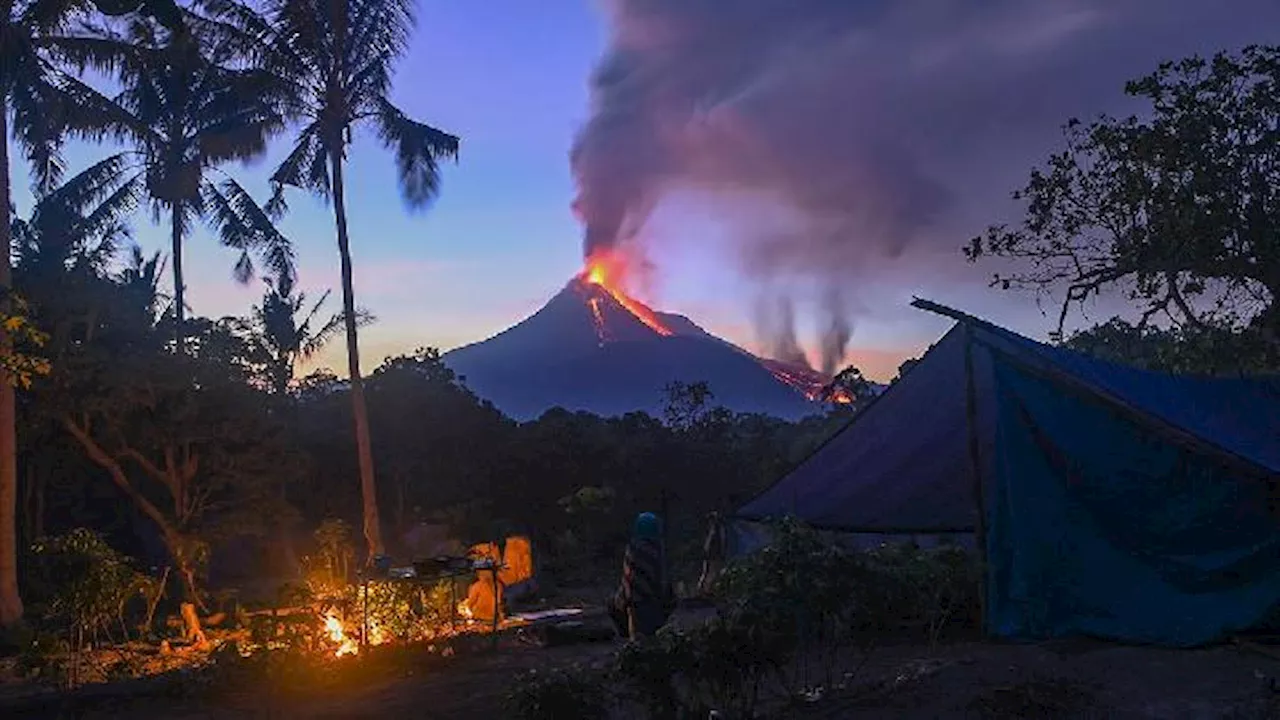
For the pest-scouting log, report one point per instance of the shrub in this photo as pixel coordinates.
(83, 587)
(720, 665)
(651, 668)
(571, 693)
(903, 586)
(792, 597)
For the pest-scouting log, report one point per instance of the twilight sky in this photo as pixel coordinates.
(777, 150)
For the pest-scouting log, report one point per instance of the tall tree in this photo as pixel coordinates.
(1179, 208)
(38, 104)
(189, 107)
(338, 55)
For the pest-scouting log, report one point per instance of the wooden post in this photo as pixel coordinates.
(975, 467)
(499, 549)
(364, 611)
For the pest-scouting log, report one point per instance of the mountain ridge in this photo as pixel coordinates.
(595, 349)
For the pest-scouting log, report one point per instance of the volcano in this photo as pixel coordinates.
(594, 348)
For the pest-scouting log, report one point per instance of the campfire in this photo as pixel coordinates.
(337, 634)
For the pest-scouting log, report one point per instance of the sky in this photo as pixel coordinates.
(901, 128)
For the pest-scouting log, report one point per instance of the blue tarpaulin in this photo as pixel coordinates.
(1119, 503)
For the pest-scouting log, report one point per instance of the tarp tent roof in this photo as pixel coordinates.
(903, 465)
(1116, 502)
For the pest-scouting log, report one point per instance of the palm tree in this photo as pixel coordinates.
(139, 280)
(39, 104)
(289, 332)
(338, 55)
(188, 109)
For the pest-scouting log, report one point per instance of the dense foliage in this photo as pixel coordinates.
(1176, 210)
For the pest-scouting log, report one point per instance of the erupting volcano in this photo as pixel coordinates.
(595, 348)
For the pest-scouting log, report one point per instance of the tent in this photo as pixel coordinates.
(1104, 500)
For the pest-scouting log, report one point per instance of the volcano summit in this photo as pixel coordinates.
(594, 348)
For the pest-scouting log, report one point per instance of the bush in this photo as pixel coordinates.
(792, 598)
(82, 587)
(571, 693)
(651, 668)
(902, 586)
(720, 665)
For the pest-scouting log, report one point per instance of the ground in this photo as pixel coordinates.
(953, 680)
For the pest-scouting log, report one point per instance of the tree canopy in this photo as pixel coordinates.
(1178, 208)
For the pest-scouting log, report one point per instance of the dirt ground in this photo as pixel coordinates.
(957, 680)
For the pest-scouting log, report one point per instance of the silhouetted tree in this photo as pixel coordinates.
(338, 55)
(187, 110)
(1179, 208)
(291, 331)
(39, 104)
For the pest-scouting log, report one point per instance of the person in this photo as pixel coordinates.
(645, 599)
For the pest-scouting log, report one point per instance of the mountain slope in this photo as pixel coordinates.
(592, 348)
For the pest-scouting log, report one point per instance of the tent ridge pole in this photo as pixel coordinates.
(975, 467)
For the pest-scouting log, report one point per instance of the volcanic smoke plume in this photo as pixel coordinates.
(869, 121)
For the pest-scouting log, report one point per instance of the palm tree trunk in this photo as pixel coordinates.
(179, 292)
(364, 448)
(10, 600)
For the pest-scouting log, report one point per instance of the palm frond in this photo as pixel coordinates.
(317, 339)
(369, 84)
(106, 222)
(101, 50)
(419, 148)
(90, 186)
(379, 28)
(237, 116)
(306, 168)
(243, 225)
(49, 16)
(35, 106)
(243, 34)
(91, 115)
(315, 307)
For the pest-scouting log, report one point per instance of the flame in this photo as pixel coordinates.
(464, 610)
(346, 645)
(608, 271)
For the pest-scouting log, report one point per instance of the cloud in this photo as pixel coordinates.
(888, 131)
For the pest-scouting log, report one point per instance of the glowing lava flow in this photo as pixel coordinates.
(598, 319)
(603, 270)
(810, 383)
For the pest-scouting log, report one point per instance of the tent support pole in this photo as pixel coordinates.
(975, 468)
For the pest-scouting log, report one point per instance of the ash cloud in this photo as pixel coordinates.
(890, 128)
(775, 323)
